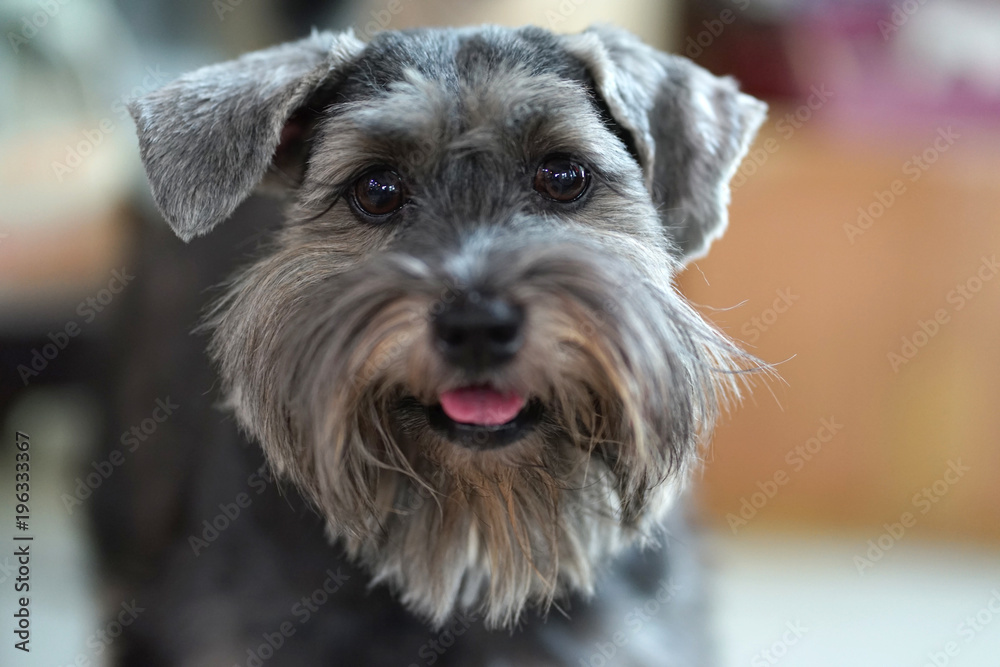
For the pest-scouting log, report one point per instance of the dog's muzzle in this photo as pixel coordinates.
(476, 334)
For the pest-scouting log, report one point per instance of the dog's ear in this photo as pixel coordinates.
(689, 128)
(208, 138)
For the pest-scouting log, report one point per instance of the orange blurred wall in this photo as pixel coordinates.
(830, 294)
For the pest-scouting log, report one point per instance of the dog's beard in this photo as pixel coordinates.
(334, 373)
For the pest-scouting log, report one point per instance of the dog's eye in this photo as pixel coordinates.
(379, 192)
(561, 179)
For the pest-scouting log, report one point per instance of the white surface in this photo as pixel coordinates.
(903, 611)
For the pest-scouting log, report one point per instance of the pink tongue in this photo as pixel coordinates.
(481, 405)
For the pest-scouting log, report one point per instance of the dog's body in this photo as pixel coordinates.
(463, 347)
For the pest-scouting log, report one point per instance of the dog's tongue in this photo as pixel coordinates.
(481, 405)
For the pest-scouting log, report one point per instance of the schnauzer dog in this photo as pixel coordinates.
(463, 347)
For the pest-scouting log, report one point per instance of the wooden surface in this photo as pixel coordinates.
(852, 303)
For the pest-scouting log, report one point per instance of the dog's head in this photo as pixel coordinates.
(464, 344)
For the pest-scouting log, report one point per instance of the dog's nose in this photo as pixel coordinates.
(477, 332)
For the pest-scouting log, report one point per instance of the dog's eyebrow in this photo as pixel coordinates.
(522, 108)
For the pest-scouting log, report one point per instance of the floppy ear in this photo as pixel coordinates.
(689, 128)
(207, 139)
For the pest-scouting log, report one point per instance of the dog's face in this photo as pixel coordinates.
(464, 345)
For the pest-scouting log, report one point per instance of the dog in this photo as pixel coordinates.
(478, 393)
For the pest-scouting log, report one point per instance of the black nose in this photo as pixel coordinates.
(477, 332)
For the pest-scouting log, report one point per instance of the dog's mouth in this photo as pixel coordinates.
(480, 417)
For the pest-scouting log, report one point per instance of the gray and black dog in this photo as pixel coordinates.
(462, 349)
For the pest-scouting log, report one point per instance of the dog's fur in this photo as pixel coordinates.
(325, 343)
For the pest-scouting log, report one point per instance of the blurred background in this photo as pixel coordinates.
(852, 509)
